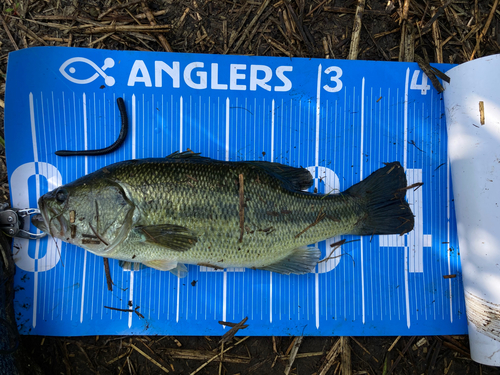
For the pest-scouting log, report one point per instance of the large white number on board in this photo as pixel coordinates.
(335, 78)
(20, 199)
(423, 87)
(416, 240)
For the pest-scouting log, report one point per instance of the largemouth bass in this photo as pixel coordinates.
(188, 209)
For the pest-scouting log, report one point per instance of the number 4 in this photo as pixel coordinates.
(423, 86)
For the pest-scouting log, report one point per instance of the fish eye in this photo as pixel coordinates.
(61, 195)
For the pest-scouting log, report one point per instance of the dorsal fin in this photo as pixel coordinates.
(294, 178)
(185, 155)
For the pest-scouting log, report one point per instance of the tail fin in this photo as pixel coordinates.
(383, 195)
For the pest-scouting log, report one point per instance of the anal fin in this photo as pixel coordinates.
(301, 261)
(130, 266)
(178, 269)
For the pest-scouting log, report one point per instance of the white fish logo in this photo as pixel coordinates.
(108, 63)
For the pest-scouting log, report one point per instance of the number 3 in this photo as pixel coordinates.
(335, 78)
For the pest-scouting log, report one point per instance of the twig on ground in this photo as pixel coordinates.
(31, 34)
(356, 31)
(247, 30)
(345, 353)
(6, 28)
(145, 355)
(218, 355)
(116, 7)
(163, 41)
(293, 354)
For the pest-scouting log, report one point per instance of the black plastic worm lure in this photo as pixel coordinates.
(111, 148)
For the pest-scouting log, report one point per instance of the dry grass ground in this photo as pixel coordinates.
(451, 31)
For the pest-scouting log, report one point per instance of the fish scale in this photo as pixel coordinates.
(215, 217)
(186, 209)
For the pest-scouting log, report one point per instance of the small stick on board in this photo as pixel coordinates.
(416, 185)
(235, 328)
(242, 208)
(481, 112)
(126, 310)
(334, 247)
(320, 217)
(427, 69)
(108, 274)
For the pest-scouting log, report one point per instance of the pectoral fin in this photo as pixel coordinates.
(170, 236)
(302, 260)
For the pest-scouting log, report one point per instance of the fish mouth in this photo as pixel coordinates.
(39, 222)
(49, 220)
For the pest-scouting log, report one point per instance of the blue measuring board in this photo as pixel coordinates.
(340, 119)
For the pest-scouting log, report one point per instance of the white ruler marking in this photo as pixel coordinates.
(181, 120)
(316, 164)
(405, 144)
(361, 177)
(37, 244)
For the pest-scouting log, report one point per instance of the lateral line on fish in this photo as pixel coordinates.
(242, 208)
(320, 217)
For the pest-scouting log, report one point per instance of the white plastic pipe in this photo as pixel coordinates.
(472, 100)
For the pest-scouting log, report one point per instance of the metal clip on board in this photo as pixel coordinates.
(12, 222)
